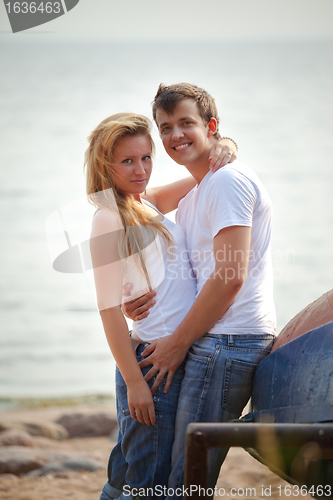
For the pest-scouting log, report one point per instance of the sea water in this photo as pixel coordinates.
(274, 98)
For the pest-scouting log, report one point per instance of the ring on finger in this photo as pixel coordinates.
(229, 153)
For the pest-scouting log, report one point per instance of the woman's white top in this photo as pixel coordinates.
(171, 276)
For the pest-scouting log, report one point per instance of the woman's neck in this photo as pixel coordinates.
(136, 197)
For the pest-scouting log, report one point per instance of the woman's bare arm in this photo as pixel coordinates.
(139, 397)
(108, 277)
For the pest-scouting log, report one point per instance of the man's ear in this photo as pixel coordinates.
(212, 127)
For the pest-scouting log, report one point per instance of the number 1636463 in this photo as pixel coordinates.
(301, 491)
(33, 7)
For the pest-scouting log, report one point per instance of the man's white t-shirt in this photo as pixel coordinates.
(233, 196)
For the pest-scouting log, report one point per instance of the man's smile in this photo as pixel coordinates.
(182, 146)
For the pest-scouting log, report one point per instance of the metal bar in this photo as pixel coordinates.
(265, 437)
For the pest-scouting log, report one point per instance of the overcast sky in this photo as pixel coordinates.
(190, 19)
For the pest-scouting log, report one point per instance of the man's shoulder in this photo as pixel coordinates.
(235, 170)
(233, 175)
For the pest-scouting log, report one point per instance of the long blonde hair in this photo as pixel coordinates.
(102, 190)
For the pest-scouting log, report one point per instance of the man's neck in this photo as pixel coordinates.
(199, 169)
(198, 174)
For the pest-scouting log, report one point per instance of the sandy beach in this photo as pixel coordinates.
(241, 475)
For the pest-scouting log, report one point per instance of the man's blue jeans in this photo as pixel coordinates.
(142, 456)
(216, 387)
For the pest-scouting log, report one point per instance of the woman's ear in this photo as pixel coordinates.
(212, 127)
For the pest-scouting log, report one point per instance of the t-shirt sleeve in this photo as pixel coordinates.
(231, 198)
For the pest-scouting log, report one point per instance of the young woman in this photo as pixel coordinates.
(132, 242)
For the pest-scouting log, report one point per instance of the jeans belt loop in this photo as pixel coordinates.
(230, 341)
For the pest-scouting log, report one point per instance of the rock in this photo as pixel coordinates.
(62, 475)
(8, 476)
(88, 425)
(316, 314)
(15, 437)
(50, 430)
(19, 460)
(46, 443)
(70, 463)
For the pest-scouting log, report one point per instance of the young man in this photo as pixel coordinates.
(227, 223)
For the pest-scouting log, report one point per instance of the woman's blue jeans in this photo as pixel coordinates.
(216, 387)
(142, 456)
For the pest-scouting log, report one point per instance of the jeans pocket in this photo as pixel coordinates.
(121, 394)
(237, 388)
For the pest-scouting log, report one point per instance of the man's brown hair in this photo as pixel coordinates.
(168, 96)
